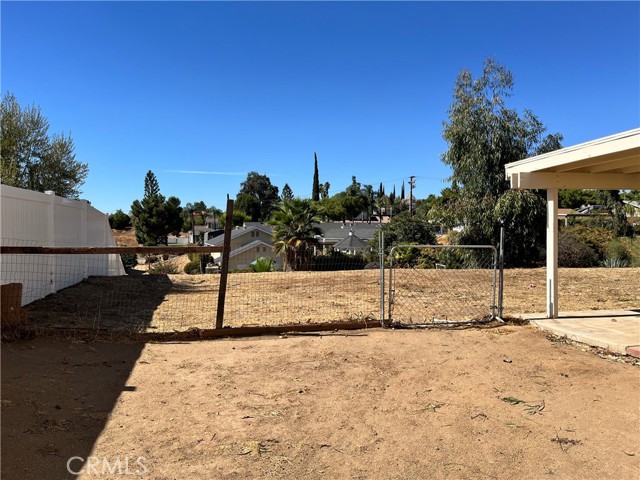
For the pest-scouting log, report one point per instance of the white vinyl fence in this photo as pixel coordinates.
(35, 219)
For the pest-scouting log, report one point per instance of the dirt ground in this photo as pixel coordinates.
(164, 303)
(500, 403)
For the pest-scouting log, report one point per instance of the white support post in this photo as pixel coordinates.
(83, 239)
(552, 253)
(51, 241)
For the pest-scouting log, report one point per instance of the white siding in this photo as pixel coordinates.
(30, 218)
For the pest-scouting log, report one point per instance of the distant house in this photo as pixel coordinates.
(592, 209)
(203, 233)
(248, 243)
(212, 223)
(565, 213)
(332, 233)
(632, 208)
(254, 240)
(351, 245)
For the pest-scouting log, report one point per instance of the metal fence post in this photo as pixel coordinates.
(381, 260)
(501, 273)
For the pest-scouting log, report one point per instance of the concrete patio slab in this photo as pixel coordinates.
(615, 330)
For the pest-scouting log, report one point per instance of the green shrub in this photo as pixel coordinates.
(454, 258)
(197, 257)
(119, 220)
(129, 260)
(161, 268)
(192, 268)
(596, 238)
(262, 264)
(615, 263)
(574, 253)
(633, 245)
(337, 261)
(617, 254)
(149, 259)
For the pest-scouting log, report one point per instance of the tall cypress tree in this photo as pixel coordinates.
(315, 192)
(402, 191)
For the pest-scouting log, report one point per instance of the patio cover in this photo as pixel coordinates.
(608, 163)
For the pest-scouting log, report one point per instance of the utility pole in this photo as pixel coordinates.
(412, 183)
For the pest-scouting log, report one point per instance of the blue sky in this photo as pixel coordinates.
(233, 87)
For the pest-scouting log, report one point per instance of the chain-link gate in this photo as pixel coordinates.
(442, 284)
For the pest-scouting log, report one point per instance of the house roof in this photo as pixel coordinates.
(608, 163)
(567, 211)
(351, 242)
(237, 232)
(244, 248)
(334, 232)
(584, 209)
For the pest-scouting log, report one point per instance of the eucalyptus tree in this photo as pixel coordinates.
(483, 134)
(30, 158)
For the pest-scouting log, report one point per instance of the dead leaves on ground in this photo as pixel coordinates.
(531, 409)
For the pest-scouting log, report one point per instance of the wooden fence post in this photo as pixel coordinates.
(222, 291)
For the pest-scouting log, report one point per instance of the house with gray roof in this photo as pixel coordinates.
(254, 240)
(332, 233)
(351, 245)
(248, 243)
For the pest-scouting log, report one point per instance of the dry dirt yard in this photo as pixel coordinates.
(503, 403)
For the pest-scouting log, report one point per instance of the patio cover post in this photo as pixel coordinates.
(608, 163)
(552, 253)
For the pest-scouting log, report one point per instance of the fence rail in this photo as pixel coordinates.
(106, 250)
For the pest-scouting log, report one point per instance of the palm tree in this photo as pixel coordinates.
(380, 203)
(217, 215)
(293, 232)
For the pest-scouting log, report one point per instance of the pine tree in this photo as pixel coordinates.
(153, 217)
(151, 186)
(315, 192)
(287, 193)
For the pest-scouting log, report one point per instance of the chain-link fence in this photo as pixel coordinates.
(436, 285)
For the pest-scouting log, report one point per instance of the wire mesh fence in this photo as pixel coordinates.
(42, 275)
(442, 284)
(163, 292)
(332, 286)
(69, 289)
(166, 291)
